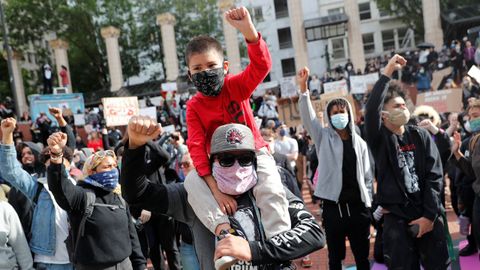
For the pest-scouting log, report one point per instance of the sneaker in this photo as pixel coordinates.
(225, 262)
(306, 262)
(468, 250)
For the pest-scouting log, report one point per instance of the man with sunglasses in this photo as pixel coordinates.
(234, 166)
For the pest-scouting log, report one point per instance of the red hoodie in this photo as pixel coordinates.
(205, 114)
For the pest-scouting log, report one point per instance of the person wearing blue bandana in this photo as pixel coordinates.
(345, 176)
(119, 248)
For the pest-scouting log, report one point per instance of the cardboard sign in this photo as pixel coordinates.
(119, 110)
(288, 87)
(335, 86)
(288, 112)
(474, 72)
(359, 84)
(449, 100)
(437, 77)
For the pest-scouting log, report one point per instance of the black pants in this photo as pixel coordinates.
(476, 220)
(347, 220)
(403, 252)
(160, 235)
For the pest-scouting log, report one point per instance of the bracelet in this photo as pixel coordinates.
(56, 158)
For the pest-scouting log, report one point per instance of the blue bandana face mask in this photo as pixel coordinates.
(106, 180)
(339, 120)
(475, 125)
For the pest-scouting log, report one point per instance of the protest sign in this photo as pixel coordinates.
(79, 119)
(288, 87)
(119, 110)
(66, 102)
(474, 72)
(449, 100)
(359, 83)
(335, 86)
(148, 111)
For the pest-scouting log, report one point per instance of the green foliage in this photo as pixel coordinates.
(410, 11)
(79, 22)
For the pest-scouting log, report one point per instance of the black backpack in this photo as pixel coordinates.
(24, 207)
(90, 204)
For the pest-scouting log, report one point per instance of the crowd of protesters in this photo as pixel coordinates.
(221, 192)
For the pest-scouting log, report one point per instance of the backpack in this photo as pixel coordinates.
(90, 204)
(24, 207)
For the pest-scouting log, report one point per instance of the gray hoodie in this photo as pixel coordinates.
(329, 148)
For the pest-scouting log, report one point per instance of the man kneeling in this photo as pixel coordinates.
(234, 161)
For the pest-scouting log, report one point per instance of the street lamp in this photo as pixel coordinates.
(6, 46)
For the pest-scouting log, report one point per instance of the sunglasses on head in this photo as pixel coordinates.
(105, 153)
(227, 160)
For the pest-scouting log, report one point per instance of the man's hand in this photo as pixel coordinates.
(396, 63)
(142, 129)
(240, 19)
(145, 216)
(234, 246)
(227, 203)
(56, 142)
(457, 141)
(57, 113)
(8, 126)
(302, 79)
(425, 225)
(428, 125)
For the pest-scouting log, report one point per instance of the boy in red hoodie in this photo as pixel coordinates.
(221, 99)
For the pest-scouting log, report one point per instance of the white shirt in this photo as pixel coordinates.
(286, 147)
(61, 233)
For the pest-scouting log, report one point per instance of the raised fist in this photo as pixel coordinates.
(302, 79)
(57, 141)
(8, 125)
(142, 129)
(240, 19)
(55, 112)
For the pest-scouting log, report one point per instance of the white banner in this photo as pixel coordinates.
(359, 83)
(474, 72)
(335, 86)
(117, 111)
(148, 111)
(79, 119)
(168, 87)
(288, 87)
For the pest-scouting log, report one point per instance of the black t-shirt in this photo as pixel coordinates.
(406, 163)
(350, 191)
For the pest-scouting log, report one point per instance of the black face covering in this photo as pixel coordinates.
(209, 82)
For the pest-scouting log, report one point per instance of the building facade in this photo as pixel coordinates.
(380, 32)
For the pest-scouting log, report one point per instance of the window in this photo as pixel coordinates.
(338, 48)
(281, 8)
(388, 38)
(364, 10)
(383, 12)
(335, 11)
(257, 14)
(288, 67)
(323, 32)
(368, 43)
(268, 78)
(284, 38)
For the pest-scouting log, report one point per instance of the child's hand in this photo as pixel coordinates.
(302, 79)
(240, 19)
(227, 203)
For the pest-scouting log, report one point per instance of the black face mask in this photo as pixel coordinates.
(209, 82)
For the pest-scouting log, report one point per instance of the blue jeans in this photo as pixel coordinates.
(188, 257)
(50, 266)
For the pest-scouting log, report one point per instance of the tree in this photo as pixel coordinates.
(410, 11)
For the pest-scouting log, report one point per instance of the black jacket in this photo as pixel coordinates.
(428, 165)
(110, 235)
(305, 236)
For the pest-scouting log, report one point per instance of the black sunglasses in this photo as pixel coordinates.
(227, 160)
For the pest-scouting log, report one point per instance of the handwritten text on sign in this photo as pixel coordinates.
(118, 111)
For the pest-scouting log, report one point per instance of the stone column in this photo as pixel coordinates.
(298, 33)
(111, 34)
(60, 48)
(167, 22)
(431, 22)
(231, 39)
(19, 95)
(355, 41)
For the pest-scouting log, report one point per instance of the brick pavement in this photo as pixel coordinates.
(320, 258)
